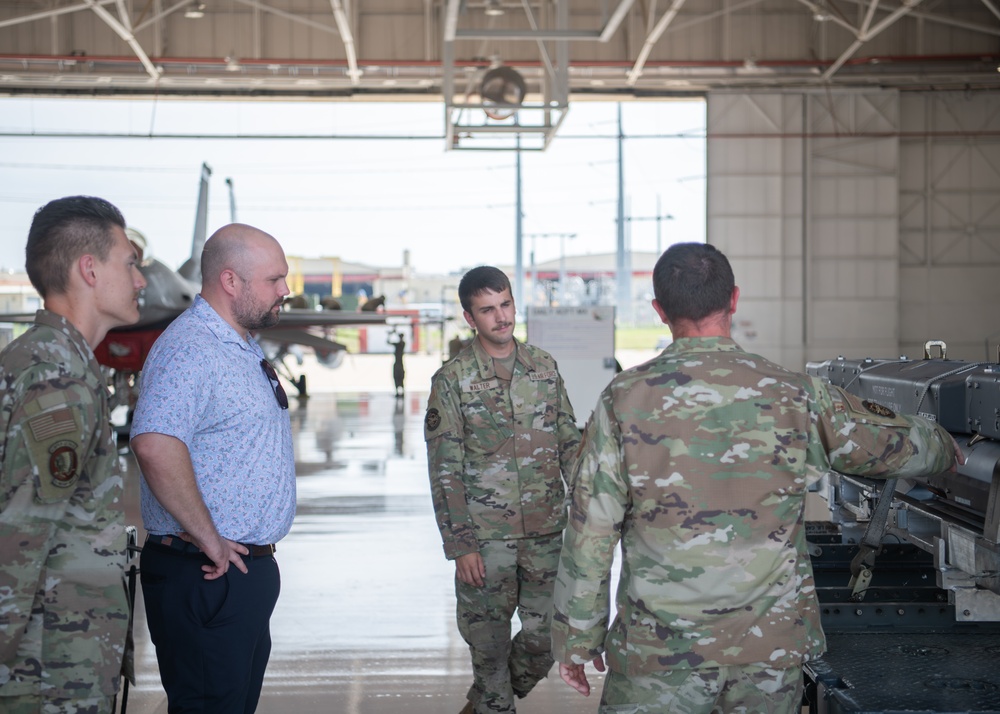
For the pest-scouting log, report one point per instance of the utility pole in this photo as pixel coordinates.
(519, 238)
(562, 258)
(659, 218)
(623, 269)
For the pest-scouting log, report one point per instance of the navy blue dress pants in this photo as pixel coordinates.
(212, 637)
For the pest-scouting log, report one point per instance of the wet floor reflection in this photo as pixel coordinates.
(366, 617)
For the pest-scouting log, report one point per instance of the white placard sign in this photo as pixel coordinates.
(582, 340)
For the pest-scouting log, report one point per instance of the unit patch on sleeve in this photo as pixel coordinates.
(433, 419)
(63, 463)
(57, 445)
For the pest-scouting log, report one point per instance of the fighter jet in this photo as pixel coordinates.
(169, 292)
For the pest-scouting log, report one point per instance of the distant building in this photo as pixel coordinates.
(17, 296)
(318, 278)
(575, 280)
(590, 279)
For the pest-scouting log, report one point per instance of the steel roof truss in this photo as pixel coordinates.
(126, 34)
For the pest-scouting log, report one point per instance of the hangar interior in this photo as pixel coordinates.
(853, 145)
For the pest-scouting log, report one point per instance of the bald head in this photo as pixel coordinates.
(232, 247)
(243, 271)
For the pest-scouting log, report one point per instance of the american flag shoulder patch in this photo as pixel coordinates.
(45, 426)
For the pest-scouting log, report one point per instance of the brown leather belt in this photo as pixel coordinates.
(260, 551)
(177, 543)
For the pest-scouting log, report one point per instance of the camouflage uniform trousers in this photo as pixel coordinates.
(520, 574)
(35, 705)
(744, 689)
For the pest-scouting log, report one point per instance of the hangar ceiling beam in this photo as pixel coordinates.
(52, 13)
(348, 39)
(701, 19)
(542, 50)
(126, 34)
(704, 44)
(866, 32)
(487, 34)
(615, 20)
(289, 16)
(651, 39)
(821, 13)
(428, 30)
(342, 28)
(940, 19)
(992, 8)
(153, 19)
(451, 21)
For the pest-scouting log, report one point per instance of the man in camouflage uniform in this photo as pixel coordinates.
(63, 612)
(699, 462)
(501, 436)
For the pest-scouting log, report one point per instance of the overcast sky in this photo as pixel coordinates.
(364, 200)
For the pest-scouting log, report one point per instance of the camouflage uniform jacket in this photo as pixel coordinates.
(497, 458)
(699, 461)
(63, 613)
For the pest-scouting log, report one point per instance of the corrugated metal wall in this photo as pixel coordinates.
(859, 223)
(949, 222)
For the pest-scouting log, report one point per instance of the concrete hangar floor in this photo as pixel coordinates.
(365, 623)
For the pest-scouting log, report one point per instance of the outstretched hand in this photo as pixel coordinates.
(575, 676)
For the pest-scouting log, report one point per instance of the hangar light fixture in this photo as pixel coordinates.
(478, 122)
(502, 91)
(494, 8)
(195, 11)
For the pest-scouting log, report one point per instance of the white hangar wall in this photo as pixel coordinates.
(858, 222)
(949, 222)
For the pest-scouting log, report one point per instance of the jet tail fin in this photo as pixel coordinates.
(192, 266)
(232, 201)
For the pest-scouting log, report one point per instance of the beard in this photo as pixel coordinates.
(252, 315)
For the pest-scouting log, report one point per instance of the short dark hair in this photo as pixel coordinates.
(692, 281)
(62, 231)
(485, 277)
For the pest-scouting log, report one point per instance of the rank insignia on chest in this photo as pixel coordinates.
(433, 420)
(878, 409)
